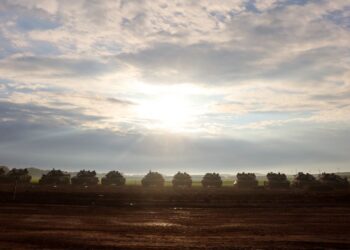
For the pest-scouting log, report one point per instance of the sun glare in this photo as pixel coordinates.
(170, 111)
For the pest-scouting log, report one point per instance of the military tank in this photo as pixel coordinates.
(113, 178)
(85, 178)
(182, 180)
(302, 180)
(153, 179)
(211, 180)
(246, 180)
(333, 181)
(55, 177)
(277, 181)
(18, 175)
(2, 175)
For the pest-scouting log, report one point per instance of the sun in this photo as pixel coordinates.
(170, 111)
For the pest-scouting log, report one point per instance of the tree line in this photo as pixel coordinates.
(180, 179)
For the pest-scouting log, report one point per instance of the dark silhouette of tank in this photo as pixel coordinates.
(18, 175)
(307, 180)
(153, 179)
(333, 181)
(3, 169)
(277, 180)
(2, 175)
(85, 178)
(182, 180)
(246, 180)
(55, 177)
(211, 180)
(113, 178)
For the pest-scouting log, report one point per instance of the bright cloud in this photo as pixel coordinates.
(248, 71)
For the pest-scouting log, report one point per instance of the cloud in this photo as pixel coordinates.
(60, 106)
(222, 43)
(34, 23)
(51, 67)
(41, 114)
(200, 63)
(134, 153)
(264, 69)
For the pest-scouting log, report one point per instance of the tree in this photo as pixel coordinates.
(113, 178)
(18, 175)
(211, 180)
(246, 180)
(182, 180)
(277, 180)
(153, 179)
(302, 180)
(55, 177)
(85, 177)
(333, 181)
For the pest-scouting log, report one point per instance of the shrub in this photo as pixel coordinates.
(277, 180)
(85, 177)
(333, 181)
(114, 178)
(211, 180)
(55, 177)
(153, 179)
(246, 180)
(182, 180)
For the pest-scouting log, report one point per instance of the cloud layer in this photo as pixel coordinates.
(262, 77)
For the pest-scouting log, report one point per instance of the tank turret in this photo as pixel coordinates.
(85, 178)
(55, 177)
(277, 180)
(211, 180)
(246, 180)
(182, 180)
(114, 178)
(302, 180)
(18, 175)
(153, 179)
(333, 181)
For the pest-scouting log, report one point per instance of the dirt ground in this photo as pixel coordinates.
(28, 226)
(43, 217)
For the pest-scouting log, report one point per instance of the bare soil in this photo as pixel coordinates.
(156, 220)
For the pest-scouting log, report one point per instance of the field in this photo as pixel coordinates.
(137, 218)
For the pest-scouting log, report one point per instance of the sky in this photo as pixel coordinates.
(196, 86)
